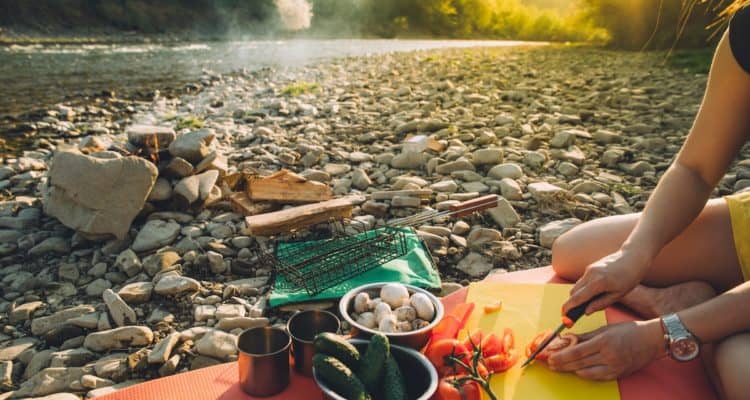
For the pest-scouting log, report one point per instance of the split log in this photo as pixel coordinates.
(301, 217)
(241, 204)
(286, 187)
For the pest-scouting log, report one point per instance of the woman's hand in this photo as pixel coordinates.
(614, 276)
(612, 351)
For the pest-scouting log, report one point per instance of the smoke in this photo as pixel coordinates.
(295, 14)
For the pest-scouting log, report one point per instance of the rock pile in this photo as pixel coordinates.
(135, 266)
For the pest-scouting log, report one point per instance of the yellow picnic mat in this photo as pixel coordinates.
(529, 309)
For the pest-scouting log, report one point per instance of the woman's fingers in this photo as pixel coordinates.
(584, 337)
(602, 303)
(586, 291)
(597, 373)
(575, 365)
(574, 357)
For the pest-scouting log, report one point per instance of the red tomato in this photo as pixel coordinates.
(501, 362)
(448, 390)
(474, 340)
(439, 352)
(557, 344)
(482, 370)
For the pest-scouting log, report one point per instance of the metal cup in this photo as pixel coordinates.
(264, 361)
(303, 326)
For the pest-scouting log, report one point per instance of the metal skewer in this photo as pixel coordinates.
(461, 209)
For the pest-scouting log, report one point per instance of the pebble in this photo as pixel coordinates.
(97, 287)
(507, 170)
(42, 325)
(120, 311)
(175, 284)
(55, 245)
(129, 263)
(137, 292)
(192, 146)
(475, 265)
(163, 350)
(160, 261)
(504, 214)
(119, 338)
(551, 231)
(23, 312)
(217, 344)
(155, 234)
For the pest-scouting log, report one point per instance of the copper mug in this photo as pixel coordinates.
(302, 327)
(264, 361)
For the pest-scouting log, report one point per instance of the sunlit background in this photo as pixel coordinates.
(632, 24)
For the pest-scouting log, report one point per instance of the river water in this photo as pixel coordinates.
(35, 76)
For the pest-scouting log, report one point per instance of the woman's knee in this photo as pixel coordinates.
(566, 254)
(732, 361)
(588, 242)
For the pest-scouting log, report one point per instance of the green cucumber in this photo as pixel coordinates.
(395, 385)
(339, 377)
(336, 346)
(372, 363)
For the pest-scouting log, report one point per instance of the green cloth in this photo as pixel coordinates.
(414, 268)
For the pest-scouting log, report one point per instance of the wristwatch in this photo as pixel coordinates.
(682, 345)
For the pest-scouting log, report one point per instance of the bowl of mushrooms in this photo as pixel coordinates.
(405, 314)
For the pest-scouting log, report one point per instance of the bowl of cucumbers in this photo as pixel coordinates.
(357, 369)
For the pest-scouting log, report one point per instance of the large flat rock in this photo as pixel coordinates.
(98, 196)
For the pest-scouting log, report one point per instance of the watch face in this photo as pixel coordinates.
(684, 349)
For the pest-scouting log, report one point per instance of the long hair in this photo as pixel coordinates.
(725, 10)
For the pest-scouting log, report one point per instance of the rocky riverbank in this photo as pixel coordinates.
(562, 134)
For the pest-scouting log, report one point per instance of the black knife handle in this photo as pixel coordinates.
(574, 314)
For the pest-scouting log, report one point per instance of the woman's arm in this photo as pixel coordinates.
(718, 133)
(721, 316)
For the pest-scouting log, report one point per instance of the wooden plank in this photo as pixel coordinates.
(286, 187)
(301, 216)
(241, 204)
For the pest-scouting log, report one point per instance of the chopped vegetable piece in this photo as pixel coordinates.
(557, 344)
(493, 307)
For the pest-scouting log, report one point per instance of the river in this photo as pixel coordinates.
(35, 76)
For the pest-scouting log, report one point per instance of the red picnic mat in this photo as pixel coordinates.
(664, 379)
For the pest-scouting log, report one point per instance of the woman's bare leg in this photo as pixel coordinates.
(703, 252)
(732, 361)
(680, 276)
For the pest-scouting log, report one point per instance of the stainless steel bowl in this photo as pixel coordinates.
(416, 339)
(420, 376)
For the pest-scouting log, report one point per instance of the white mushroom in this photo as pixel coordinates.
(367, 319)
(395, 294)
(419, 324)
(406, 313)
(423, 305)
(383, 310)
(403, 326)
(388, 324)
(374, 303)
(361, 302)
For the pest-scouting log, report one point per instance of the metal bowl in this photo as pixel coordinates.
(420, 376)
(415, 339)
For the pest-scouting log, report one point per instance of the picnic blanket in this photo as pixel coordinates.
(664, 379)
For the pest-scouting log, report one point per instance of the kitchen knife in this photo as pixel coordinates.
(568, 321)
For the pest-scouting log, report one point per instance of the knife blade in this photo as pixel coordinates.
(569, 320)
